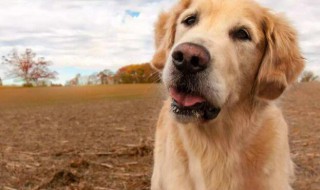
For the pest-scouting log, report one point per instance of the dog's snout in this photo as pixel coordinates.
(190, 58)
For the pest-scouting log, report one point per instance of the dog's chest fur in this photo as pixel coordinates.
(209, 165)
(187, 158)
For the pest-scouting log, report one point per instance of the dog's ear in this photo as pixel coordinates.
(282, 61)
(165, 30)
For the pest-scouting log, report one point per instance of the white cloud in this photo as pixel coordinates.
(99, 34)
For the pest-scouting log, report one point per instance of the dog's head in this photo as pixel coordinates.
(214, 53)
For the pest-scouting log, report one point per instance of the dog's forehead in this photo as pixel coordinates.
(228, 13)
(244, 8)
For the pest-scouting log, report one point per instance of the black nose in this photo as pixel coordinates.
(190, 58)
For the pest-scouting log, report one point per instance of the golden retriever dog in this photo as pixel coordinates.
(223, 63)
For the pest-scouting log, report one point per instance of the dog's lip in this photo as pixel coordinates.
(192, 104)
(185, 99)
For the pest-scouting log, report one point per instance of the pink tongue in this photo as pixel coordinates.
(184, 99)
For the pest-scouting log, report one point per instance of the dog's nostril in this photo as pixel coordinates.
(195, 61)
(178, 56)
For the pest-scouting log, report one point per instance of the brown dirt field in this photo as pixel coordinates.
(101, 137)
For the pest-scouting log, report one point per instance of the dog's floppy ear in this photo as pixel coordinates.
(282, 62)
(165, 30)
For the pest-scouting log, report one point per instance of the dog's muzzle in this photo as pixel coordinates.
(191, 62)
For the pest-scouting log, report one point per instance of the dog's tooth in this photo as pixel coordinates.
(175, 109)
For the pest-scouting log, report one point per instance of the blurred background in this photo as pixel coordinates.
(84, 117)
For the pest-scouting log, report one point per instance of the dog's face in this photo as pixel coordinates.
(215, 53)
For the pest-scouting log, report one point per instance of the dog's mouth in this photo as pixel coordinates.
(191, 104)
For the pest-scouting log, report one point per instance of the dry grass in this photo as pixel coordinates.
(101, 137)
(14, 97)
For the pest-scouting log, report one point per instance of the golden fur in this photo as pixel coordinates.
(246, 146)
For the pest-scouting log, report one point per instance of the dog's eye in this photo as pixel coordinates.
(242, 34)
(190, 20)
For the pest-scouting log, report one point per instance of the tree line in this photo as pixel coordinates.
(35, 71)
(130, 74)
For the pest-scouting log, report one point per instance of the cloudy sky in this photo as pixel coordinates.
(85, 36)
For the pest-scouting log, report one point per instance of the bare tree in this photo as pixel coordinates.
(75, 81)
(308, 76)
(106, 77)
(93, 79)
(27, 67)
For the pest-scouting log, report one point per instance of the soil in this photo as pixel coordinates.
(101, 138)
